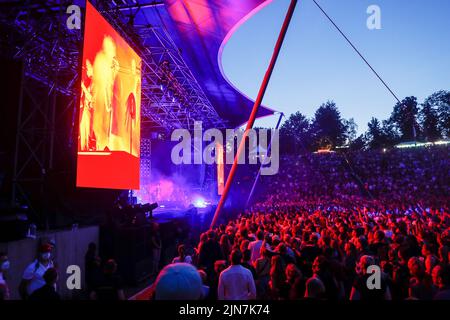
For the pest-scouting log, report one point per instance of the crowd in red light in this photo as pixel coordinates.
(323, 221)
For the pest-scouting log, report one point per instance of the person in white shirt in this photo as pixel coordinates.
(236, 282)
(255, 246)
(33, 276)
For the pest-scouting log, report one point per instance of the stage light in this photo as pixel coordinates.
(200, 203)
(149, 207)
(138, 214)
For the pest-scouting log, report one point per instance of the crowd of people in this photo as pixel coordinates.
(327, 226)
(39, 280)
(357, 226)
(302, 251)
(397, 178)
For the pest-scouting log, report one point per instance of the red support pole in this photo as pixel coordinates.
(259, 98)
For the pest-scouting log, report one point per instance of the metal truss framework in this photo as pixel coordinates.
(36, 137)
(36, 33)
(171, 96)
(40, 38)
(186, 103)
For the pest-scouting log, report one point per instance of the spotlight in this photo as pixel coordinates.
(149, 207)
(200, 203)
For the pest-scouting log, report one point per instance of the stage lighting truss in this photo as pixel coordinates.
(37, 33)
(171, 96)
(178, 89)
(146, 159)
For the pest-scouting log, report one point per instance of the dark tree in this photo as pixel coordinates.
(391, 134)
(440, 102)
(328, 125)
(351, 129)
(375, 134)
(404, 118)
(295, 134)
(359, 143)
(381, 135)
(429, 121)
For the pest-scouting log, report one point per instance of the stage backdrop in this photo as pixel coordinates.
(110, 99)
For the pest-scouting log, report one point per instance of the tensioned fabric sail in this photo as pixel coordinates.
(201, 29)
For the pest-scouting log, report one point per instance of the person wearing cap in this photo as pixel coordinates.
(4, 266)
(33, 276)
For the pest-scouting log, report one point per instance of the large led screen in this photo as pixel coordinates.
(110, 100)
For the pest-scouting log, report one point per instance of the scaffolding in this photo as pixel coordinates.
(171, 96)
(35, 32)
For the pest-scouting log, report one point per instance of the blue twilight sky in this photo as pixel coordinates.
(411, 53)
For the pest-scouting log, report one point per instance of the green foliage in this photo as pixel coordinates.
(404, 117)
(407, 122)
(295, 134)
(439, 104)
(328, 125)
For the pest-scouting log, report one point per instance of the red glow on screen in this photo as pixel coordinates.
(110, 107)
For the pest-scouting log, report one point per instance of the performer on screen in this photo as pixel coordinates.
(116, 132)
(105, 72)
(130, 117)
(131, 112)
(87, 136)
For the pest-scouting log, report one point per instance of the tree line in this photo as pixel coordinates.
(409, 121)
